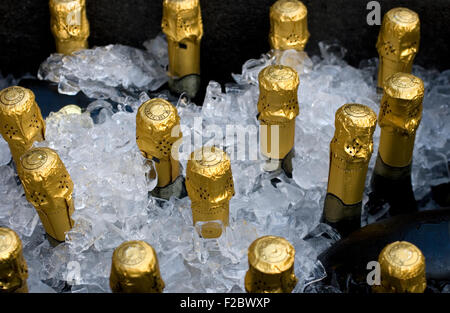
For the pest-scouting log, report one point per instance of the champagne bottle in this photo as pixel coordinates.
(399, 118)
(210, 186)
(288, 25)
(48, 187)
(69, 25)
(270, 266)
(347, 262)
(350, 152)
(21, 122)
(135, 269)
(182, 24)
(277, 111)
(398, 43)
(156, 121)
(13, 268)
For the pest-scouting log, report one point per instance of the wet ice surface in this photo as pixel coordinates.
(111, 188)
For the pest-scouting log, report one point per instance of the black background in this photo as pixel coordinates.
(235, 30)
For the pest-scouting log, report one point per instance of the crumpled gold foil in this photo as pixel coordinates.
(271, 266)
(21, 122)
(398, 43)
(69, 25)
(277, 108)
(399, 118)
(350, 152)
(155, 121)
(135, 269)
(210, 186)
(288, 25)
(402, 267)
(182, 24)
(13, 268)
(48, 187)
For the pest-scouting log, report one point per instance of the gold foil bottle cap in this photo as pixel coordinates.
(288, 25)
(13, 268)
(69, 25)
(271, 266)
(182, 20)
(402, 267)
(48, 187)
(135, 269)
(399, 36)
(21, 122)
(210, 186)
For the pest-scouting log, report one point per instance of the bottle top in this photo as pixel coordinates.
(182, 19)
(399, 36)
(288, 25)
(271, 265)
(278, 100)
(135, 269)
(404, 86)
(402, 267)
(13, 268)
(155, 120)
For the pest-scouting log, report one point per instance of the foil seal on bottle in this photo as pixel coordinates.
(288, 25)
(183, 26)
(350, 152)
(48, 187)
(277, 109)
(69, 25)
(399, 118)
(135, 269)
(210, 186)
(398, 43)
(21, 122)
(402, 267)
(155, 121)
(13, 268)
(271, 266)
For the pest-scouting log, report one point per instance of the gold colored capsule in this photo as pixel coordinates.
(350, 152)
(398, 43)
(21, 122)
(135, 269)
(277, 108)
(69, 25)
(402, 267)
(13, 268)
(288, 25)
(399, 118)
(48, 187)
(210, 186)
(155, 121)
(182, 24)
(271, 266)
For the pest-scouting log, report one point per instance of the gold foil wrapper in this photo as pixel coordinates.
(155, 121)
(271, 266)
(277, 107)
(402, 267)
(182, 24)
(210, 186)
(288, 25)
(399, 118)
(21, 122)
(135, 269)
(350, 152)
(13, 268)
(48, 187)
(69, 25)
(398, 43)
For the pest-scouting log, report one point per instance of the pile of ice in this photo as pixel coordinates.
(111, 72)
(111, 188)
